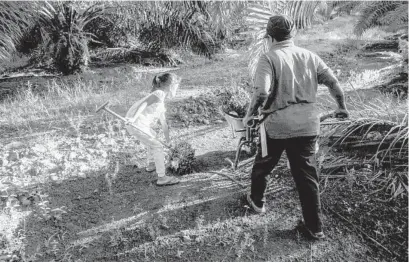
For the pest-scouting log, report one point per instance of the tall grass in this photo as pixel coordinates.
(77, 94)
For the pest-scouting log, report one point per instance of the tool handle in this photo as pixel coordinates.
(116, 114)
(326, 116)
(333, 115)
(102, 106)
(133, 125)
(253, 122)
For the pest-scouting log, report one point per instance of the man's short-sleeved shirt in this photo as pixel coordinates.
(293, 73)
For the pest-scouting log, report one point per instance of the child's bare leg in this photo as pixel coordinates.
(159, 158)
(150, 160)
(155, 149)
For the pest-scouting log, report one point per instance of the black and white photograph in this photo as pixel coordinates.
(204, 131)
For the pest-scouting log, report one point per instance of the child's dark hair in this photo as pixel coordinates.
(163, 81)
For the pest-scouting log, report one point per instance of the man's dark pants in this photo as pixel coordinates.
(301, 154)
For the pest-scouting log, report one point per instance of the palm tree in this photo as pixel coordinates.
(389, 13)
(15, 19)
(64, 36)
(200, 25)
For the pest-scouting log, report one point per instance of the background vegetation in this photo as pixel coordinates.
(60, 33)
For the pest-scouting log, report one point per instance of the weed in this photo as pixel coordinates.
(117, 239)
(246, 243)
(200, 222)
(364, 79)
(374, 33)
(194, 110)
(182, 158)
(233, 100)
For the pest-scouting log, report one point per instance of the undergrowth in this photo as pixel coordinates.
(206, 107)
(365, 172)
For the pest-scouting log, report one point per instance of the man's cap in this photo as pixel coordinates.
(280, 27)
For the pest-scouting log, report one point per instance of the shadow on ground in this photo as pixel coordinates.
(83, 212)
(124, 216)
(214, 161)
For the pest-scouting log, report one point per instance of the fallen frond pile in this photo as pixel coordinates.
(375, 144)
(135, 55)
(182, 158)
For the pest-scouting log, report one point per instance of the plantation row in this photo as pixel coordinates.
(67, 36)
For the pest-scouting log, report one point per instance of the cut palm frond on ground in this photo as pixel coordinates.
(135, 55)
(376, 143)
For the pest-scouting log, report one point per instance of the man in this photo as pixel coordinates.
(285, 89)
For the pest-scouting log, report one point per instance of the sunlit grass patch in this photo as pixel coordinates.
(322, 31)
(59, 97)
(374, 33)
(237, 236)
(365, 79)
(12, 241)
(53, 160)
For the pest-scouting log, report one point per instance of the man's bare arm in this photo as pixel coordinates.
(256, 102)
(329, 80)
(262, 85)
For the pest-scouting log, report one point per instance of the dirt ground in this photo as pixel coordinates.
(117, 213)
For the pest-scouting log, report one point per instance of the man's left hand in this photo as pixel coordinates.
(246, 120)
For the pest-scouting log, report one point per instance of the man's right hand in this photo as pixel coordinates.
(341, 114)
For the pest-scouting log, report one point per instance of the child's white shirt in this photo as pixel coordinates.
(150, 114)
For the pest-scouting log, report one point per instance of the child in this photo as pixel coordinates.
(147, 111)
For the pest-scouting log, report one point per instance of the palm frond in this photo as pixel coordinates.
(15, 18)
(372, 13)
(258, 14)
(66, 41)
(387, 151)
(302, 12)
(346, 6)
(202, 25)
(397, 18)
(223, 15)
(134, 55)
(177, 24)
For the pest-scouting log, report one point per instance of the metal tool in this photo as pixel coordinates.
(250, 136)
(340, 116)
(257, 124)
(107, 109)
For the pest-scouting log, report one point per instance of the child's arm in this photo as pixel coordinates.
(165, 127)
(145, 103)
